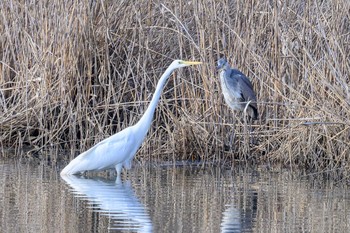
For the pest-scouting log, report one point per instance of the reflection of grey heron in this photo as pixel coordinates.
(118, 150)
(231, 220)
(113, 199)
(240, 218)
(237, 89)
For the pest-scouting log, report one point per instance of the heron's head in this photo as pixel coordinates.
(180, 63)
(222, 64)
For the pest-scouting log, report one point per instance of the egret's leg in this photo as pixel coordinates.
(127, 166)
(118, 180)
(119, 168)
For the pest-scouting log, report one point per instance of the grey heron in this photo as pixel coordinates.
(238, 91)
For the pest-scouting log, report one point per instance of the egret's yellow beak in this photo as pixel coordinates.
(190, 62)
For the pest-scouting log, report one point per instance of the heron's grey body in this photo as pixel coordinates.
(237, 90)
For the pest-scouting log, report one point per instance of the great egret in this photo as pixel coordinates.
(237, 89)
(119, 149)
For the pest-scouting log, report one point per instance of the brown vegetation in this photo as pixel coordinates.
(74, 73)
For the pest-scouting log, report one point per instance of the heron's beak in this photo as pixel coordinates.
(190, 62)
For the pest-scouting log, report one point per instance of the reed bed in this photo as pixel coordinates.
(74, 72)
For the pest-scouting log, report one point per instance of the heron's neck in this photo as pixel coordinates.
(147, 117)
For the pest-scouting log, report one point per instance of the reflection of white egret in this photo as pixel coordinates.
(119, 149)
(231, 220)
(113, 199)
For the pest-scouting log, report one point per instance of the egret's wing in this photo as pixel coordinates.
(107, 153)
(112, 150)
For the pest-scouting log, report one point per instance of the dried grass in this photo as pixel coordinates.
(73, 73)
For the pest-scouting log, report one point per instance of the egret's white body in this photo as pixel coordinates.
(119, 149)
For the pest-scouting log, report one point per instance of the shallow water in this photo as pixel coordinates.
(34, 198)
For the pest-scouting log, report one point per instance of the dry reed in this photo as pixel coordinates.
(75, 72)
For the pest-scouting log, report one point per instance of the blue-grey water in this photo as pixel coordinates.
(168, 198)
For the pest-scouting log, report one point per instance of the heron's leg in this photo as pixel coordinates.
(246, 135)
(253, 137)
(232, 134)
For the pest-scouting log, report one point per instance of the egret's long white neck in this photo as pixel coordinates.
(147, 117)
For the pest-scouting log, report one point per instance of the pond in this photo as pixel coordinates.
(169, 198)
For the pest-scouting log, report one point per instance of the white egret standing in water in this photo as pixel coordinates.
(119, 149)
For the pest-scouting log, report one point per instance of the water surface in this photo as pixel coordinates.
(166, 198)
